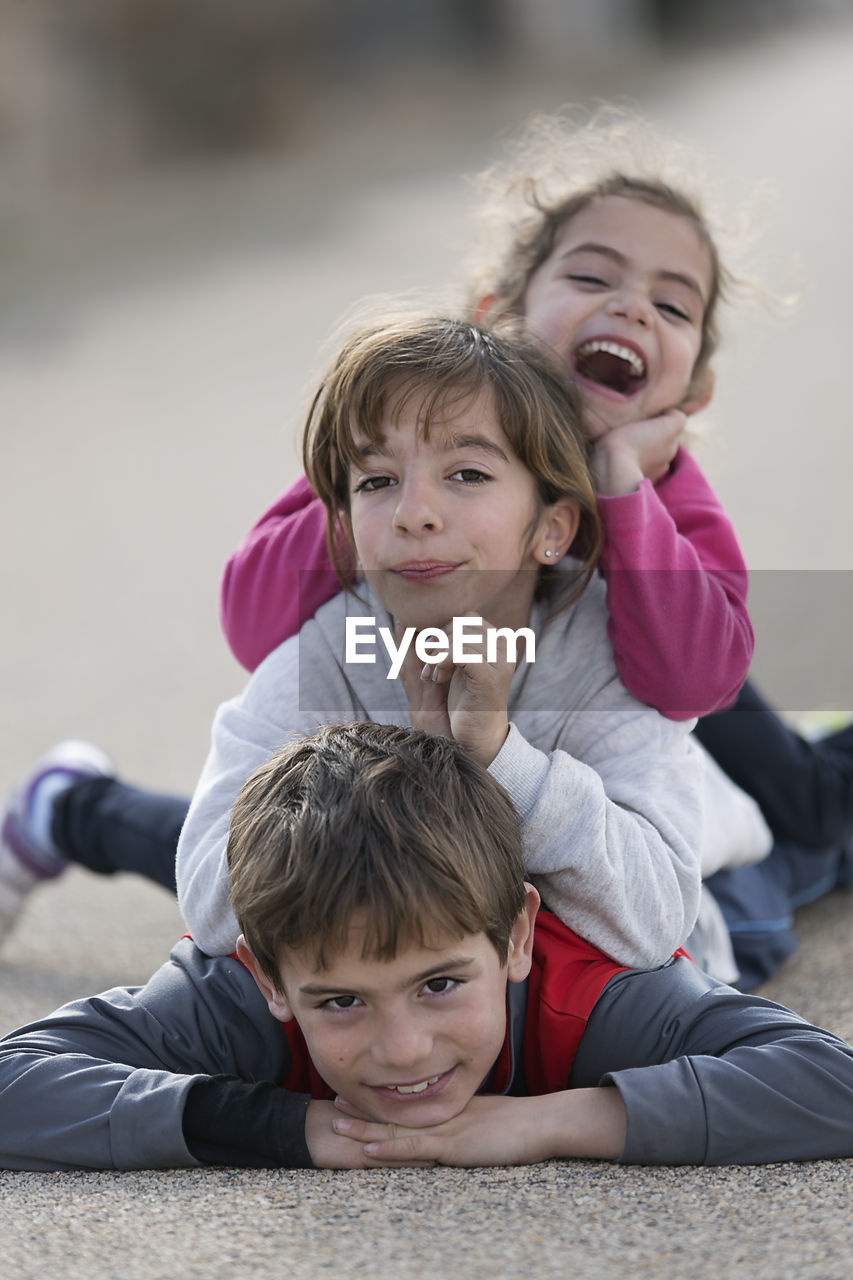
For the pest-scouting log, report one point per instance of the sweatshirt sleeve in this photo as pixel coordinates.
(278, 577)
(611, 839)
(103, 1083)
(711, 1076)
(676, 594)
(278, 704)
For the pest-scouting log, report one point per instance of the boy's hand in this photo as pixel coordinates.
(585, 1123)
(466, 701)
(331, 1149)
(626, 455)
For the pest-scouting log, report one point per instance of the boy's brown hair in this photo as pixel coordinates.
(395, 824)
(441, 362)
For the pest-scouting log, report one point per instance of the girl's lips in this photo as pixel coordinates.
(420, 570)
(405, 1092)
(609, 366)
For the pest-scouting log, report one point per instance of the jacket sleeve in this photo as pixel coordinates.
(711, 1076)
(676, 594)
(278, 577)
(103, 1082)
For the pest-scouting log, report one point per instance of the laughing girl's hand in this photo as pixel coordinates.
(623, 457)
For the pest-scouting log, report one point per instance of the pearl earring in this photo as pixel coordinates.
(550, 553)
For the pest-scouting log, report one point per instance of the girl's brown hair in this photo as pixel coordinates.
(440, 362)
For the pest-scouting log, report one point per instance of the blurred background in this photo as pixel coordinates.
(192, 193)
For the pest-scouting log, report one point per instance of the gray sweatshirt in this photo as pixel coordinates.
(612, 796)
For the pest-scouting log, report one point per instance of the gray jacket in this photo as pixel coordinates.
(186, 1070)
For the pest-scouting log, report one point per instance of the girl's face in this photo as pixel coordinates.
(620, 300)
(447, 526)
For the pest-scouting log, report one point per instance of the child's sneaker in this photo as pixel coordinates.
(28, 855)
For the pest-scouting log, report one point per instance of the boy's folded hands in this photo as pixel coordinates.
(578, 1123)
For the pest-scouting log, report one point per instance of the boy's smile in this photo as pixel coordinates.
(408, 1040)
(621, 300)
(443, 527)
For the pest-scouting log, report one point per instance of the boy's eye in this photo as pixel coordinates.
(440, 986)
(369, 484)
(340, 1002)
(470, 475)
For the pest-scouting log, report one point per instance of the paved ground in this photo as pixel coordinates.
(152, 370)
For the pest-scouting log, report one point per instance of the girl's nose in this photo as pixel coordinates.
(417, 510)
(631, 305)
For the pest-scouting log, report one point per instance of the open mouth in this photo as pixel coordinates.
(610, 365)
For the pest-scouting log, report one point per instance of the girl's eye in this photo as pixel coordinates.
(585, 278)
(441, 986)
(470, 475)
(669, 308)
(371, 483)
(340, 1002)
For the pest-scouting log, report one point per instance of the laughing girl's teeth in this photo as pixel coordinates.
(414, 1088)
(638, 367)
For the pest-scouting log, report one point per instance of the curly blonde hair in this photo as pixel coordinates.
(557, 166)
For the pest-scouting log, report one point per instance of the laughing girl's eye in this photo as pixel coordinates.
(585, 277)
(470, 475)
(669, 308)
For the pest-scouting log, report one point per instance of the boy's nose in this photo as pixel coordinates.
(403, 1045)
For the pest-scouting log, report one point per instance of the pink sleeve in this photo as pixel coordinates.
(278, 577)
(676, 594)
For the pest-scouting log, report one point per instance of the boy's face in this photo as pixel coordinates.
(442, 526)
(408, 1040)
(621, 300)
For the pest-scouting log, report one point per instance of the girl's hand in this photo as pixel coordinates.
(466, 701)
(623, 457)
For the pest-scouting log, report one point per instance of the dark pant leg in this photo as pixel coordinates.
(107, 826)
(758, 904)
(804, 789)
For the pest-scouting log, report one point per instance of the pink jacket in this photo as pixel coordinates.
(676, 588)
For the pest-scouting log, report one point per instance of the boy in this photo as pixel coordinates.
(422, 1011)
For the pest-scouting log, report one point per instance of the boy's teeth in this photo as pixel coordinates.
(414, 1088)
(638, 367)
